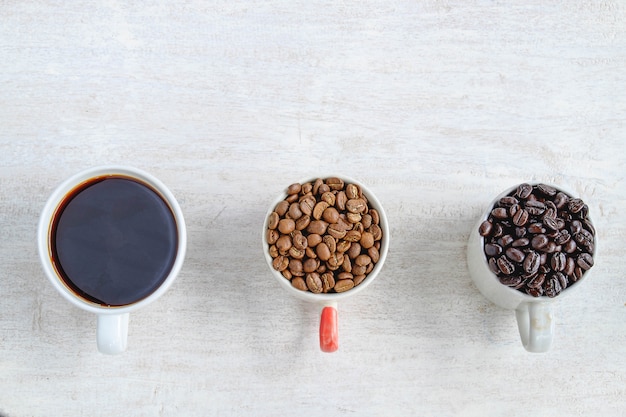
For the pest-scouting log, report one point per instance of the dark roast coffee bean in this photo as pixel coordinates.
(570, 246)
(562, 280)
(570, 264)
(532, 262)
(534, 207)
(493, 265)
(550, 247)
(520, 243)
(550, 223)
(505, 240)
(515, 255)
(558, 261)
(585, 261)
(500, 213)
(505, 266)
(583, 238)
(562, 237)
(514, 209)
(540, 242)
(536, 281)
(497, 230)
(491, 249)
(535, 292)
(536, 228)
(520, 218)
(546, 189)
(549, 213)
(524, 190)
(485, 228)
(560, 200)
(511, 280)
(575, 205)
(508, 201)
(560, 223)
(553, 287)
(578, 273)
(576, 226)
(587, 225)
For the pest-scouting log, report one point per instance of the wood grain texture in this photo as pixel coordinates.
(437, 106)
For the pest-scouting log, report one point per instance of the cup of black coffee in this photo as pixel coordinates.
(111, 240)
(534, 244)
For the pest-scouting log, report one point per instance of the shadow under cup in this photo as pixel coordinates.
(328, 301)
(111, 240)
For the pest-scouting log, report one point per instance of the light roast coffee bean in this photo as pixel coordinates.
(324, 236)
(538, 240)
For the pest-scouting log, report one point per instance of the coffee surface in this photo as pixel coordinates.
(114, 240)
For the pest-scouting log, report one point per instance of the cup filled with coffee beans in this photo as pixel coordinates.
(325, 239)
(534, 244)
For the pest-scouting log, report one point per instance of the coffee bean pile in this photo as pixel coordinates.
(539, 240)
(324, 237)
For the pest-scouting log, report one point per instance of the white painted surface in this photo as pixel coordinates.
(437, 106)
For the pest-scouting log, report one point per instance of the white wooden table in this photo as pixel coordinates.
(437, 106)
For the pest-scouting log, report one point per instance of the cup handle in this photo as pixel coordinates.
(329, 336)
(112, 333)
(536, 326)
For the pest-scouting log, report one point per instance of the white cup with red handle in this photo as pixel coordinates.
(328, 301)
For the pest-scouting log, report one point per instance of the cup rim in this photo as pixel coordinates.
(329, 298)
(56, 198)
(485, 215)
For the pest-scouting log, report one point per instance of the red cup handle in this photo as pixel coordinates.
(329, 337)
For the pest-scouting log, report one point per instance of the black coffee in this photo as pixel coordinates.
(114, 240)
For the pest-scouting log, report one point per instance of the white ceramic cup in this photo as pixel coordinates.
(112, 321)
(328, 331)
(535, 319)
